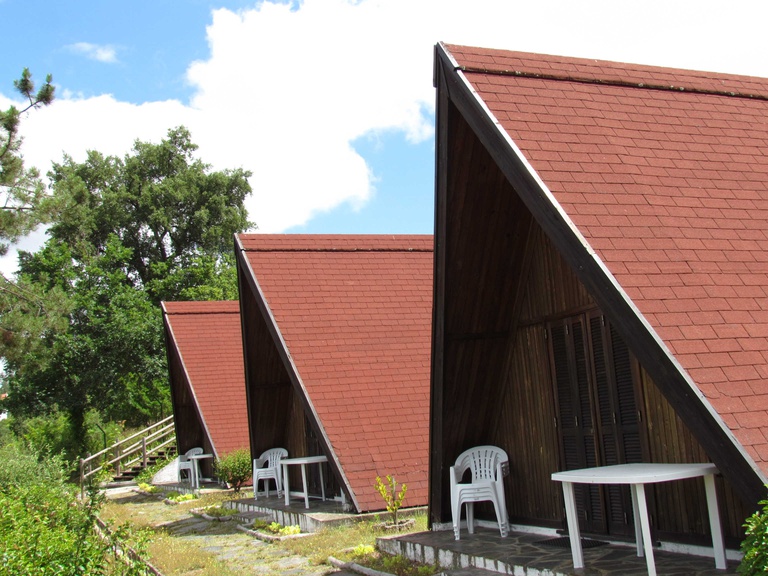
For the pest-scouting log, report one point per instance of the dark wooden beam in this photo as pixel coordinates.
(436, 455)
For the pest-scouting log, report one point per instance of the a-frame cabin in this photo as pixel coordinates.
(601, 282)
(205, 365)
(336, 343)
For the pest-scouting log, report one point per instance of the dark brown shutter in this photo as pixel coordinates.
(598, 419)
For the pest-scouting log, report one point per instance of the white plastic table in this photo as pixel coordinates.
(637, 476)
(196, 468)
(285, 462)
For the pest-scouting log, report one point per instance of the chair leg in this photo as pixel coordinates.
(501, 517)
(471, 517)
(456, 517)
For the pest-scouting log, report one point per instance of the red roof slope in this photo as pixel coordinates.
(208, 338)
(355, 313)
(664, 173)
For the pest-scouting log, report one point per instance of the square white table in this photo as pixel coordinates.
(637, 476)
(196, 468)
(285, 462)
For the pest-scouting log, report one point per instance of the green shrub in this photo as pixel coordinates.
(176, 497)
(235, 468)
(755, 544)
(391, 497)
(45, 528)
(219, 512)
(20, 466)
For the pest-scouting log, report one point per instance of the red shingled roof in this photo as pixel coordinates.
(355, 314)
(665, 174)
(208, 338)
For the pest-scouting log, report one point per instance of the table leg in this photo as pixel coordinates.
(304, 484)
(195, 476)
(638, 528)
(714, 522)
(322, 481)
(573, 525)
(286, 485)
(638, 491)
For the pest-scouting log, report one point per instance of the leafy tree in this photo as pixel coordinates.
(160, 203)
(154, 225)
(21, 189)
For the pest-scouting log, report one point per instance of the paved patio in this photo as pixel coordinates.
(523, 554)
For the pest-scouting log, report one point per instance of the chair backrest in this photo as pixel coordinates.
(483, 461)
(273, 456)
(191, 452)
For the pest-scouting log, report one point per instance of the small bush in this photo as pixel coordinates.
(174, 496)
(755, 544)
(392, 498)
(235, 468)
(363, 550)
(219, 512)
(144, 487)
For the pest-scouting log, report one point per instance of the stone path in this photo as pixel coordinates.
(239, 552)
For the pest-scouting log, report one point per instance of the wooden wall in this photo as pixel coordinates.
(189, 428)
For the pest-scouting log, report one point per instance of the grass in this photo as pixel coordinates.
(171, 555)
(351, 542)
(175, 556)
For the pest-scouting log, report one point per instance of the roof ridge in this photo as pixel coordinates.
(338, 249)
(199, 312)
(610, 82)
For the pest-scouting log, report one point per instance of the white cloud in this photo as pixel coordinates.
(284, 92)
(100, 53)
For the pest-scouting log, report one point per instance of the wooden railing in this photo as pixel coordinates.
(135, 450)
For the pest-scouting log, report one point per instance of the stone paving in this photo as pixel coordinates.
(520, 554)
(483, 553)
(239, 552)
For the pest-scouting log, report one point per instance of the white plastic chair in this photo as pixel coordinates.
(186, 464)
(488, 465)
(269, 472)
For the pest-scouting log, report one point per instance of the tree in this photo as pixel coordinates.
(160, 203)
(154, 225)
(21, 189)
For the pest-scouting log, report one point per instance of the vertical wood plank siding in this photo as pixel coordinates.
(502, 280)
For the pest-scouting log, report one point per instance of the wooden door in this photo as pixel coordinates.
(597, 418)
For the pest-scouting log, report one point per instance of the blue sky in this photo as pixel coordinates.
(328, 102)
